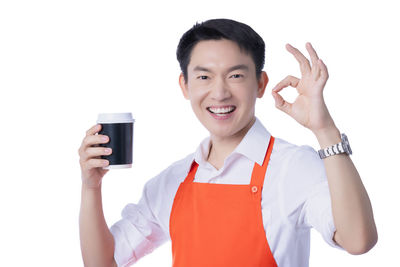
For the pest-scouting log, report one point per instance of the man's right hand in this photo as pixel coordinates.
(90, 161)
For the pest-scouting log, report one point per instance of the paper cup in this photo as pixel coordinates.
(119, 128)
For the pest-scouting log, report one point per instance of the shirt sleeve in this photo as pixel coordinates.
(139, 232)
(317, 208)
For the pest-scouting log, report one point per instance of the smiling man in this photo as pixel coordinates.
(222, 88)
(244, 197)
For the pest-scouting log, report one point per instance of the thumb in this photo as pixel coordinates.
(281, 103)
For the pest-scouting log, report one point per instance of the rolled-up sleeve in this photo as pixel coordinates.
(318, 213)
(317, 209)
(138, 233)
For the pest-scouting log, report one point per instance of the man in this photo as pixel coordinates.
(244, 197)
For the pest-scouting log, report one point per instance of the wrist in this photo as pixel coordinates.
(90, 187)
(328, 137)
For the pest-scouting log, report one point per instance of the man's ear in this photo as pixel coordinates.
(262, 83)
(183, 86)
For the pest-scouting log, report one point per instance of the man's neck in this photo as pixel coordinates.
(221, 148)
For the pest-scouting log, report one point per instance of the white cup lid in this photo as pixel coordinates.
(115, 118)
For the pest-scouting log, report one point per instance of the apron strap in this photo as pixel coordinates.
(192, 172)
(258, 175)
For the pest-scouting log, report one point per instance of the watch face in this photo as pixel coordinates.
(346, 144)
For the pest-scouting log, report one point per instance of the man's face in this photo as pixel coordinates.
(222, 87)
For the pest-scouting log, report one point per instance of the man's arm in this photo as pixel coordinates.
(97, 242)
(352, 212)
(351, 208)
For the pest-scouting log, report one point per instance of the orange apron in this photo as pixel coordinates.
(220, 224)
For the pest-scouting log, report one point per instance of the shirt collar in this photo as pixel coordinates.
(201, 154)
(253, 145)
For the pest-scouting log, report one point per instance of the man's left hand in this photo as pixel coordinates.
(309, 108)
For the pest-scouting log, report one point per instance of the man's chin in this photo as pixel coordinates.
(221, 132)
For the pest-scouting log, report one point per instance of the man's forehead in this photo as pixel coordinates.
(219, 56)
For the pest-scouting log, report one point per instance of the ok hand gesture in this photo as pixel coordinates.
(309, 108)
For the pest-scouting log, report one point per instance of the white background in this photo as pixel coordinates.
(63, 62)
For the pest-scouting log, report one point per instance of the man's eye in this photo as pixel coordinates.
(237, 75)
(202, 77)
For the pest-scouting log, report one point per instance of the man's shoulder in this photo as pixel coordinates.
(174, 174)
(300, 163)
(288, 151)
(179, 167)
(286, 147)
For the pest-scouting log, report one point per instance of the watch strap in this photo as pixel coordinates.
(331, 150)
(339, 148)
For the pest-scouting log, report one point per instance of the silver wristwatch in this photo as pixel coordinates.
(342, 147)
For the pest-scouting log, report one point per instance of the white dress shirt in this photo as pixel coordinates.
(295, 197)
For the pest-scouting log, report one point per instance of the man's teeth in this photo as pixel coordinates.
(221, 110)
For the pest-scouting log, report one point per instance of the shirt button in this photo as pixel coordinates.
(254, 189)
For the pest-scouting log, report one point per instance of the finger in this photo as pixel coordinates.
(93, 130)
(324, 72)
(92, 140)
(281, 103)
(315, 69)
(313, 54)
(93, 152)
(288, 81)
(95, 163)
(303, 61)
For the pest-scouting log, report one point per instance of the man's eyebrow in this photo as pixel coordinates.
(236, 67)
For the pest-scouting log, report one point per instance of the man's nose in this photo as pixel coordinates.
(220, 90)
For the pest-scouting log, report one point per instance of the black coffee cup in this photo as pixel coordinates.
(119, 128)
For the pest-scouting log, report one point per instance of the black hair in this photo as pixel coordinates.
(216, 29)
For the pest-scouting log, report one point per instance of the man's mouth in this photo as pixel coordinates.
(221, 111)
